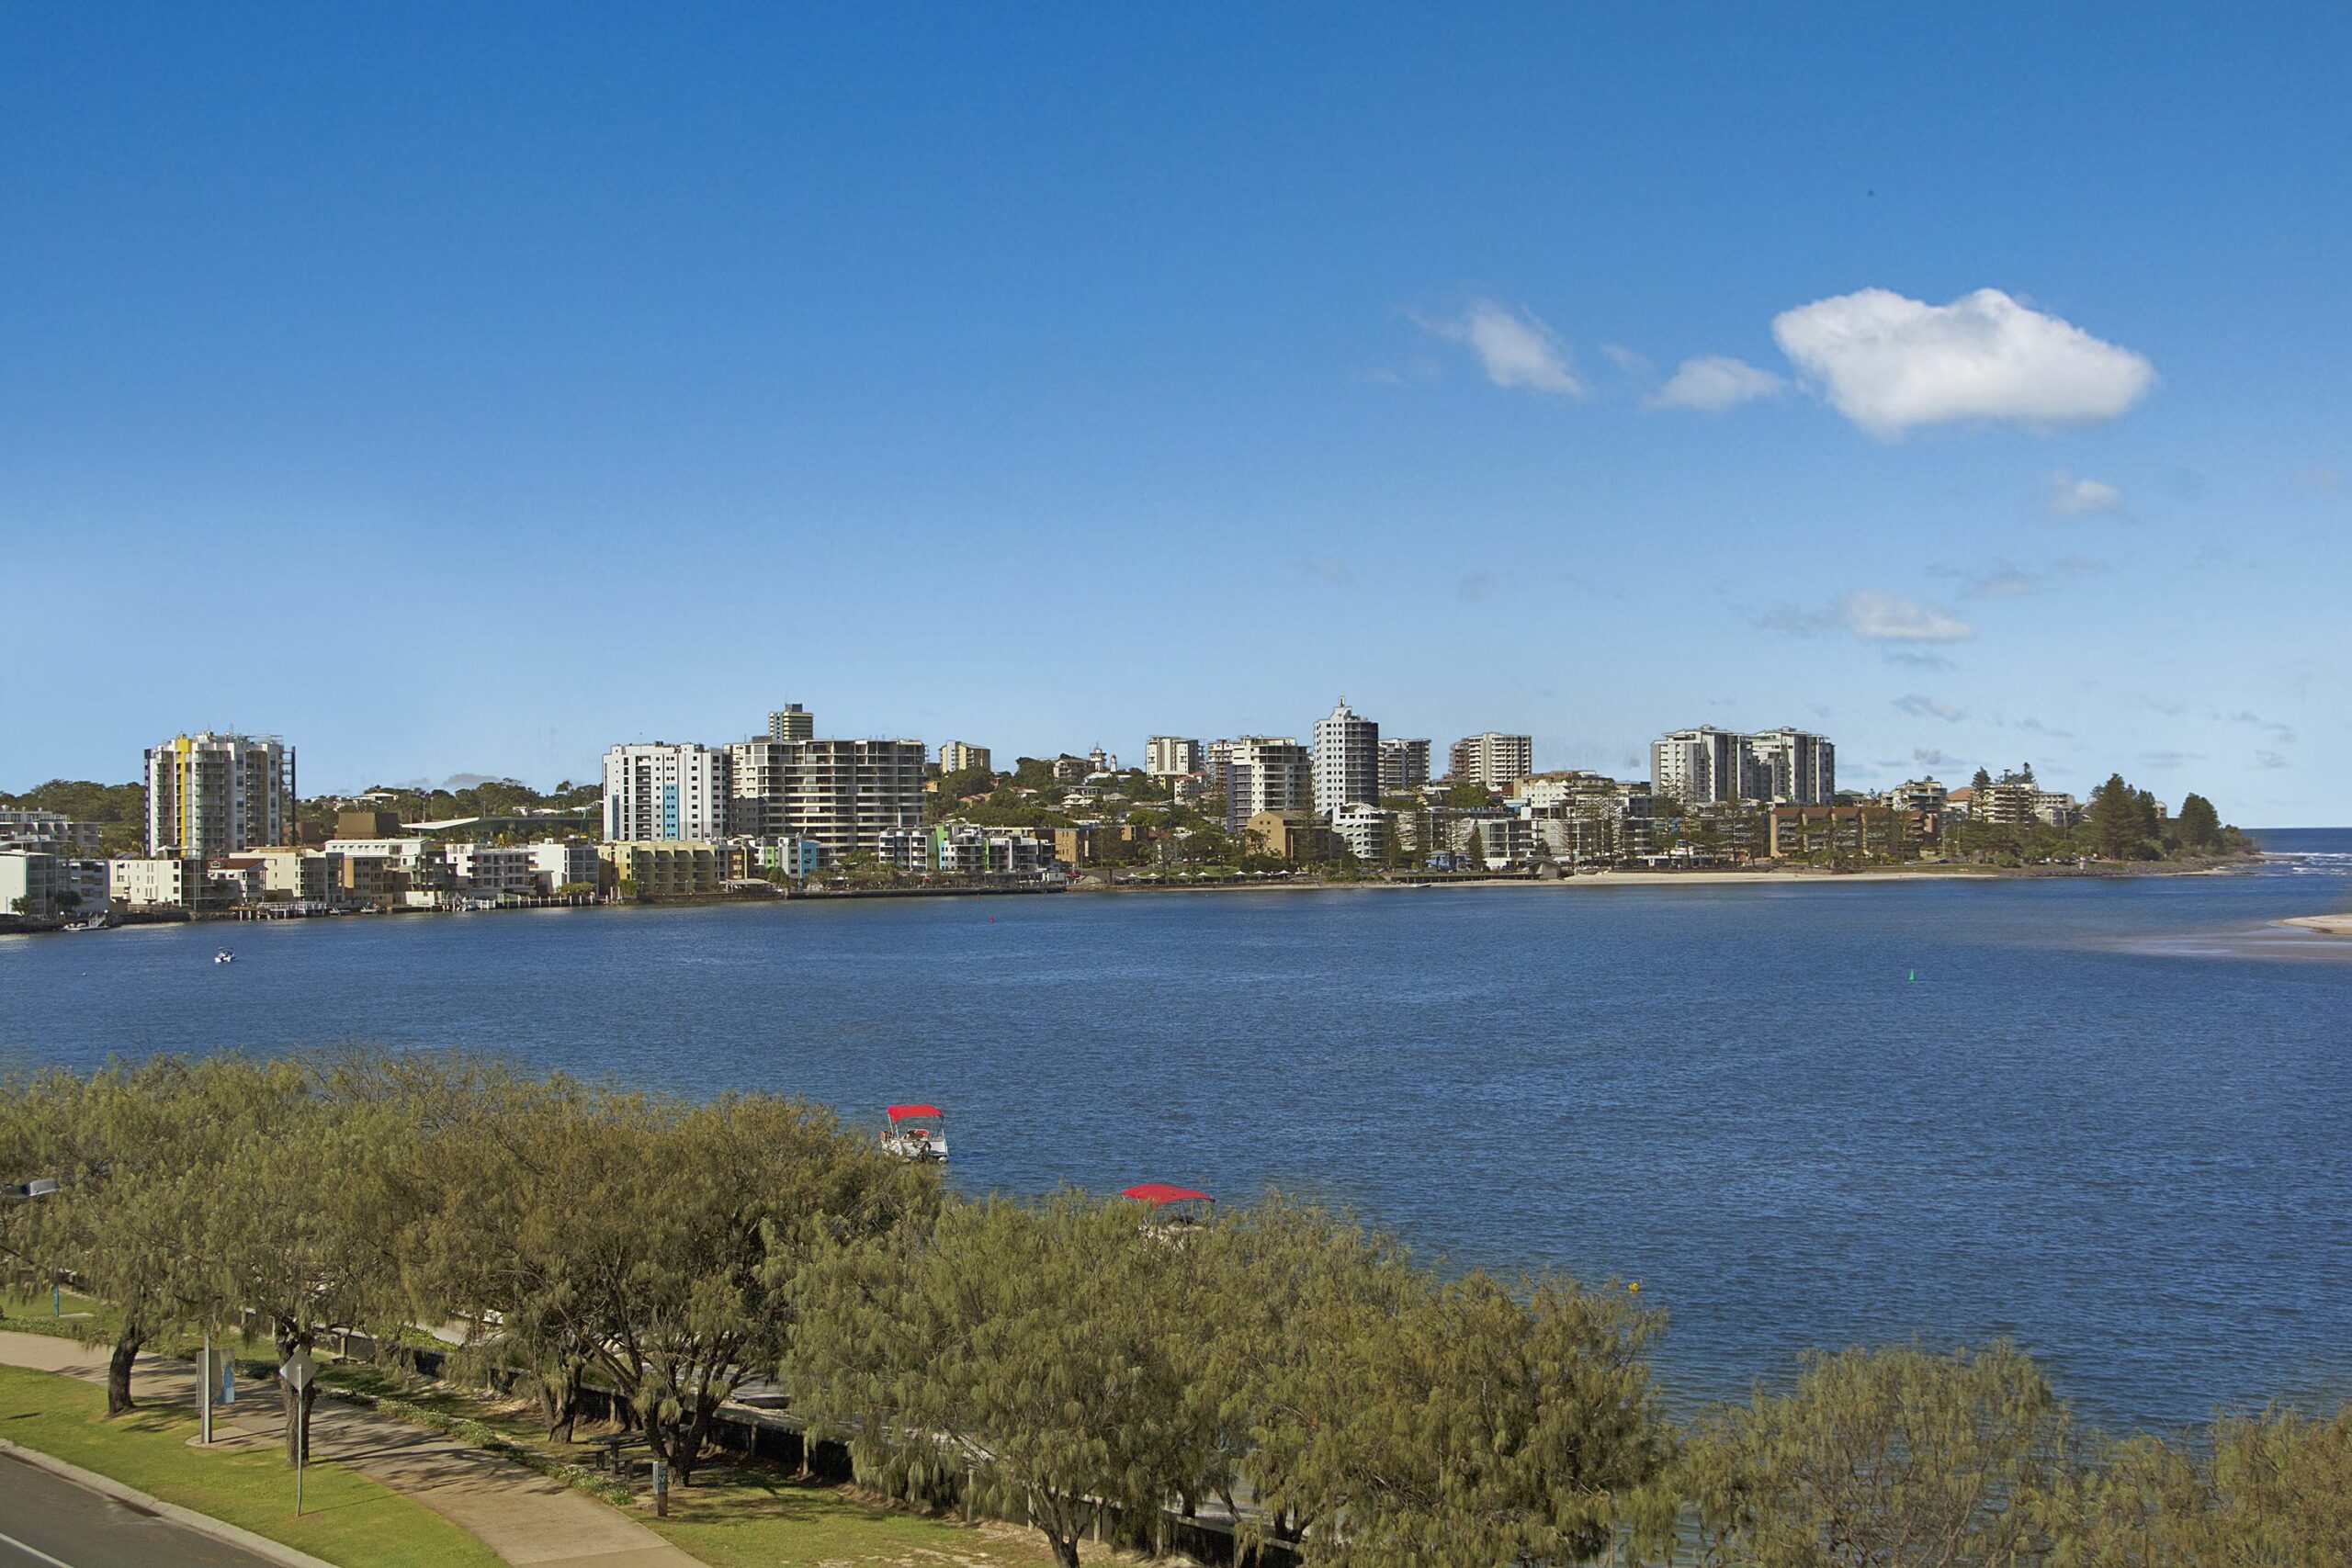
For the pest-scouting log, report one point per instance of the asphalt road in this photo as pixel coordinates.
(49, 1523)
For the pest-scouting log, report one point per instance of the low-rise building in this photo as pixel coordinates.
(31, 881)
(1301, 837)
(23, 828)
(1918, 795)
(1859, 830)
(961, 848)
(558, 865)
(662, 868)
(491, 871)
(160, 881)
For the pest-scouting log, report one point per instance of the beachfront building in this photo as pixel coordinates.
(213, 795)
(960, 849)
(160, 881)
(661, 868)
(962, 757)
(665, 790)
(491, 871)
(1266, 773)
(1347, 761)
(1494, 760)
(557, 865)
(1171, 756)
(792, 722)
(1299, 836)
(290, 874)
(31, 881)
(1404, 765)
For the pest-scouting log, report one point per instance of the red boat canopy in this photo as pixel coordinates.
(1160, 1192)
(900, 1113)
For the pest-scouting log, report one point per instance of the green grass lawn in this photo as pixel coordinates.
(734, 1518)
(346, 1518)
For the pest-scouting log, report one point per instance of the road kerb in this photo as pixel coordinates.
(187, 1518)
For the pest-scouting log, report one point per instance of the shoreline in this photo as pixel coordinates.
(2326, 925)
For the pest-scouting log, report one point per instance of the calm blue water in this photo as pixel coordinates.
(2107, 1118)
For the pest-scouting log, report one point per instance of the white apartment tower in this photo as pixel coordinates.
(1495, 761)
(792, 722)
(1792, 767)
(1266, 773)
(1404, 765)
(959, 756)
(1347, 760)
(213, 795)
(1707, 766)
(1171, 756)
(661, 790)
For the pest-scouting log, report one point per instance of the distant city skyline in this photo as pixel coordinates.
(469, 392)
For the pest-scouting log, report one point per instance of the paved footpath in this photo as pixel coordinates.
(524, 1516)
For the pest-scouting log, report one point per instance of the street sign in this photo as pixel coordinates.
(297, 1371)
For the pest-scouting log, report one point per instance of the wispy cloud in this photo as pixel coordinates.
(1715, 382)
(1877, 616)
(2321, 477)
(1918, 706)
(1928, 756)
(1890, 363)
(1326, 569)
(1514, 347)
(1914, 659)
(2071, 497)
(2006, 580)
(1475, 587)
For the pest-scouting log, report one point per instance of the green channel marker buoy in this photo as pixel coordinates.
(1915, 973)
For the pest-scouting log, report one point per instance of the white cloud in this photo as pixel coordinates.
(1882, 617)
(1513, 347)
(2071, 497)
(1889, 363)
(1713, 382)
(1627, 360)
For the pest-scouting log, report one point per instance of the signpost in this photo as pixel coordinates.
(661, 1489)
(204, 1394)
(297, 1373)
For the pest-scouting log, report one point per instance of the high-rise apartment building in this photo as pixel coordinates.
(1266, 773)
(1404, 765)
(214, 795)
(1791, 767)
(962, 757)
(665, 790)
(1495, 761)
(792, 722)
(847, 794)
(1707, 766)
(1347, 760)
(1171, 756)
(844, 795)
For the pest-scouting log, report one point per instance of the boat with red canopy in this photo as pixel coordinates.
(1172, 1205)
(916, 1131)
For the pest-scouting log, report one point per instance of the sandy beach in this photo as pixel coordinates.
(2332, 925)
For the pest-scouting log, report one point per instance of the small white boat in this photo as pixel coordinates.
(224, 956)
(916, 1132)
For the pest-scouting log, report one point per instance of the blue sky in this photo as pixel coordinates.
(465, 389)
